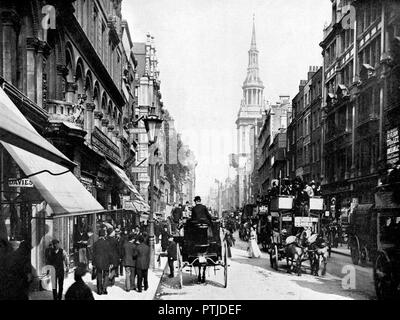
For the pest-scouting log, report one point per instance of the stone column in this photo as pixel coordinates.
(104, 124)
(31, 80)
(110, 129)
(90, 106)
(42, 52)
(98, 115)
(61, 85)
(71, 88)
(10, 23)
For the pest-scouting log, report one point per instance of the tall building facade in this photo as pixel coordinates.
(304, 130)
(74, 81)
(251, 109)
(360, 98)
(272, 144)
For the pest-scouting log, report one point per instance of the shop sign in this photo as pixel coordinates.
(392, 143)
(139, 169)
(304, 221)
(20, 183)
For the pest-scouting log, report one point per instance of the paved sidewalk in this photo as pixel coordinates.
(116, 292)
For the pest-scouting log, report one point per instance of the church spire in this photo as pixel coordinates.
(253, 36)
(253, 77)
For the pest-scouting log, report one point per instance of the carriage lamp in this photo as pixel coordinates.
(153, 125)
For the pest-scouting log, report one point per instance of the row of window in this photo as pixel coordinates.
(88, 15)
(369, 13)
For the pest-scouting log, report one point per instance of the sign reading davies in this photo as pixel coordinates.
(103, 144)
(20, 183)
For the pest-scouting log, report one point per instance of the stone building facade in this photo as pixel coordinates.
(358, 79)
(74, 80)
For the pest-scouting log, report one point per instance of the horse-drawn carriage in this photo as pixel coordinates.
(295, 234)
(201, 246)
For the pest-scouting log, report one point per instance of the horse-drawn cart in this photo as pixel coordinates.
(202, 246)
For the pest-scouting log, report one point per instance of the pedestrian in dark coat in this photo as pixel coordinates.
(59, 260)
(230, 241)
(157, 231)
(115, 255)
(129, 261)
(79, 290)
(164, 238)
(142, 264)
(102, 260)
(200, 212)
(17, 273)
(172, 255)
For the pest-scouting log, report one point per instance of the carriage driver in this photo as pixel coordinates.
(200, 212)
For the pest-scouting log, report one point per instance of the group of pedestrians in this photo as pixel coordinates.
(115, 252)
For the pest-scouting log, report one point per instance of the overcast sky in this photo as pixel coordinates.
(202, 49)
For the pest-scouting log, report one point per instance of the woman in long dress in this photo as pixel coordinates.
(253, 249)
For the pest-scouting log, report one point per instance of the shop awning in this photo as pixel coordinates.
(64, 193)
(120, 173)
(16, 130)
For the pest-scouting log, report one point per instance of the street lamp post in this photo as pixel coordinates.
(153, 125)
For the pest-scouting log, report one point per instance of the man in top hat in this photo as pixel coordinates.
(102, 260)
(200, 212)
(79, 290)
(58, 258)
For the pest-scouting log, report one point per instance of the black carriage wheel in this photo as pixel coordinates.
(180, 265)
(382, 279)
(355, 251)
(225, 266)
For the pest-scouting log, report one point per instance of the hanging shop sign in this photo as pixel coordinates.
(392, 143)
(20, 183)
